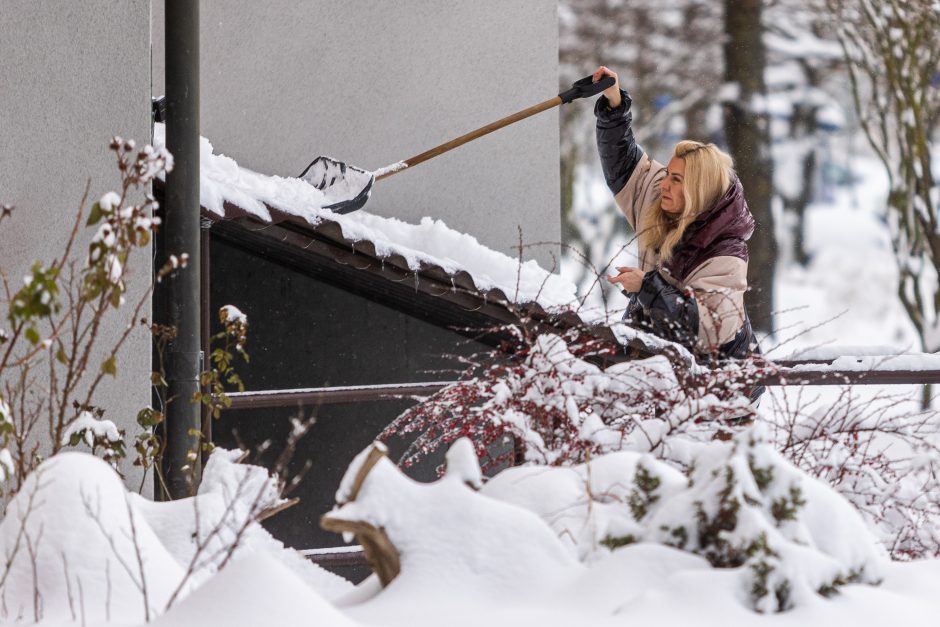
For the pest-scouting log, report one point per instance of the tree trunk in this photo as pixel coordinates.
(748, 137)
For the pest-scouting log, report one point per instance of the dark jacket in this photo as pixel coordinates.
(696, 297)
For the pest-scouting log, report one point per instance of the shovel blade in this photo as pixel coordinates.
(346, 187)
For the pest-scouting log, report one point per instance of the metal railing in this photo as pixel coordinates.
(786, 374)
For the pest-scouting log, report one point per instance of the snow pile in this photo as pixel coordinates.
(504, 554)
(788, 536)
(453, 543)
(431, 242)
(81, 548)
(206, 531)
(254, 590)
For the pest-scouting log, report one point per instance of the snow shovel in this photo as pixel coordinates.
(347, 187)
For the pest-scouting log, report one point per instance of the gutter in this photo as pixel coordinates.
(178, 300)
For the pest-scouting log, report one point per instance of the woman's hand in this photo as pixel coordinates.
(629, 279)
(611, 93)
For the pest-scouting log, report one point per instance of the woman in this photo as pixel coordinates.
(692, 224)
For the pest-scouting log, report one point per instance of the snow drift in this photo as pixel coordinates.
(80, 548)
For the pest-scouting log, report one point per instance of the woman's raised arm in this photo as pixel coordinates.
(616, 145)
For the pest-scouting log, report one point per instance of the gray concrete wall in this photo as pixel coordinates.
(73, 74)
(372, 82)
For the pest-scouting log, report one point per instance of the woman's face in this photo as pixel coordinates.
(670, 189)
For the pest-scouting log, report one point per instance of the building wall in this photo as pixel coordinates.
(372, 82)
(73, 74)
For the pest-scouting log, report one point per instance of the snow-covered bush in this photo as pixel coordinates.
(786, 538)
(222, 372)
(740, 505)
(79, 547)
(550, 403)
(445, 535)
(96, 433)
(882, 454)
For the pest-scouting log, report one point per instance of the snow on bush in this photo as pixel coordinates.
(79, 547)
(97, 433)
(881, 454)
(588, 504)
(747, 506)
(740, 506)
(549, 404)
(7, 465)
(449, 537)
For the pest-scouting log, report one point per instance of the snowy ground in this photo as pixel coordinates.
(500, 556)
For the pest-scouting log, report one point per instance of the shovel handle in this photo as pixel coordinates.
(480, 132)
(580, 89)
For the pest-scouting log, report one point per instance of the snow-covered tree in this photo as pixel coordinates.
(803, 79)
(747, 134)
(892, 55)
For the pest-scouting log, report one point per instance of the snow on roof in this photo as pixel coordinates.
(225, 186)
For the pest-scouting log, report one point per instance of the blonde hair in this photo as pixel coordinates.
(708, 174)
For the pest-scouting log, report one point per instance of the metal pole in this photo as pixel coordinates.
(181, 461)
(205, 323)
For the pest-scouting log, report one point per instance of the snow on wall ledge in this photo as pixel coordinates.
(431, 242)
